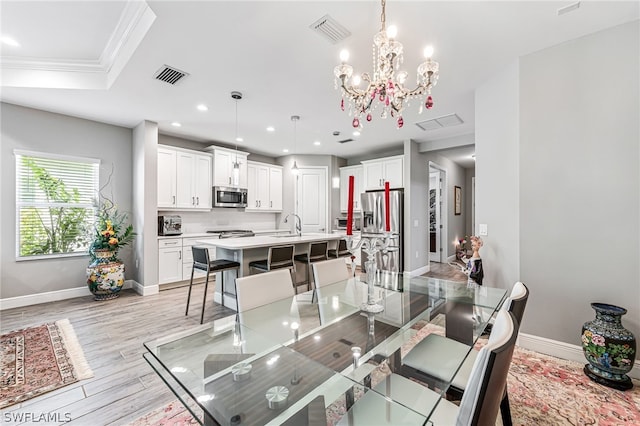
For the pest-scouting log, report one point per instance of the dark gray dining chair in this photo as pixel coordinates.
(316, 252)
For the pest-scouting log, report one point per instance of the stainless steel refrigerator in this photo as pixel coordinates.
(373, 224)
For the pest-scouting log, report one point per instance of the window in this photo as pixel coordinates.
(55, 204)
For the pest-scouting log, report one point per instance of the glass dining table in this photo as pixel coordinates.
(308, 359)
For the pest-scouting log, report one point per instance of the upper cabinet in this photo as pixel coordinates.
(184, 179)
(389, 169)
(264, 189)
(356, 172)
(223, 161)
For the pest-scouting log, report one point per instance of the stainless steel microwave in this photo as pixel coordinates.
(341, 223)
(229, 197)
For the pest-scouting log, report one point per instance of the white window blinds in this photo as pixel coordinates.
(56, 203)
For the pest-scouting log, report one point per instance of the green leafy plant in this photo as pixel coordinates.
(52, 229)
(110, 232)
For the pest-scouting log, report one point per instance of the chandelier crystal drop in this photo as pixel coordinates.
(386, 84)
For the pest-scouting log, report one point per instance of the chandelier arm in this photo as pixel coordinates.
(350, 90)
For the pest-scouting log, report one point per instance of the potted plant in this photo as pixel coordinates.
(105, 274)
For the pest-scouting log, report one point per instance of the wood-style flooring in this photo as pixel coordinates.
(112, 333)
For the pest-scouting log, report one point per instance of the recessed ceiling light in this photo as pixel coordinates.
(9, 41)
(176, 124)
(202, 107)
(271, 129)
(239, 139)
(317, 143)
(285, 150)
(356, 133)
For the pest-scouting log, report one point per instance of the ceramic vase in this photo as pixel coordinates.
(105, 275)
(609, 347)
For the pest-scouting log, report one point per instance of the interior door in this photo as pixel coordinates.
(435, 216)
(311, 199)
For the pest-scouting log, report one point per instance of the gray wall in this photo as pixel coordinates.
(579, 180)
(467, 209)
(497, 202)
(35, 130)
(558, 182)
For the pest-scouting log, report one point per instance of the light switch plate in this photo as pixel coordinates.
(415, 223)
(483, 229)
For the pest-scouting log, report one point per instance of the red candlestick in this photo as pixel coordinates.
(387, 219)
(350, 207)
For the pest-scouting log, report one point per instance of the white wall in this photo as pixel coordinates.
(579, 180)
(35, 130)
(497, 188)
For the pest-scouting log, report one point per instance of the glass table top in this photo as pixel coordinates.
(314, 350)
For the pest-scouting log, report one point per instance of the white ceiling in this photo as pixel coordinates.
(266, 50)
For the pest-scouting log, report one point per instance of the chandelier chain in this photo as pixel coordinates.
(383, 16)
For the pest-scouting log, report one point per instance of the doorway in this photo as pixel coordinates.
(311, 198)
(437, 213)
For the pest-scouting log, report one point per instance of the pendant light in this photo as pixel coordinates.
(294, 169)
(235, 173)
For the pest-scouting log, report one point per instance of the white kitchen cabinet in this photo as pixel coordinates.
(275, 188)
(169, 260)
(377, 172)
(264, 189)
(358, 187)
(223, 160)
(166, 177)
(184, 179)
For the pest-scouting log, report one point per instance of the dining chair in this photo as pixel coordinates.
(436, 358)
(341, 250)
(479, 405)
(261, 289)
(329, 272)
(316, 252)
(202, 262)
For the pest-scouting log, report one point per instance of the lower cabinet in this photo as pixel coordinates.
(175, 260)
(169, 260)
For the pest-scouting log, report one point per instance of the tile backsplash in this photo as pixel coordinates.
(219, 219)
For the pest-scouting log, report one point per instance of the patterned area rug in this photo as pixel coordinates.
(40, 359)
(543, 391)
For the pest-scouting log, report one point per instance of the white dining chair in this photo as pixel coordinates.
(261, 289)
(436, 358)
(480, 403)
(329, 272)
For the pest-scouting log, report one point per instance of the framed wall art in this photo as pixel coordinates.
(457, 200)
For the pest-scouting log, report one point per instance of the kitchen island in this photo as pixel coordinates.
(248, 249)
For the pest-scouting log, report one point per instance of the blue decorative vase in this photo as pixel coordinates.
(609, 347)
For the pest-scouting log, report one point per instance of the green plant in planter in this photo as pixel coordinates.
(110, 232)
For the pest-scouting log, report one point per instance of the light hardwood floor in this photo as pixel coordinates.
(111, 333)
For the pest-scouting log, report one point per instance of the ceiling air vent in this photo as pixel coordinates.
(330, 29)
(345, 140)
(169, 74)
(440, 122)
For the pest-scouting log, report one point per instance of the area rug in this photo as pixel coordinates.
(543, 390)
(40, 359)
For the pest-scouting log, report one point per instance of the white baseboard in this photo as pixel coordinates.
(562, 350)
(420, 271)
(143, 290)
(68, 293)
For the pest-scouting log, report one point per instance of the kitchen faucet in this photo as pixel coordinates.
(298, 223)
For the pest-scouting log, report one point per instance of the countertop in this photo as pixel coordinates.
(206, 234)
(266, 241)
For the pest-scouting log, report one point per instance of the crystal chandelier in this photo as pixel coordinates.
(385, 85)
